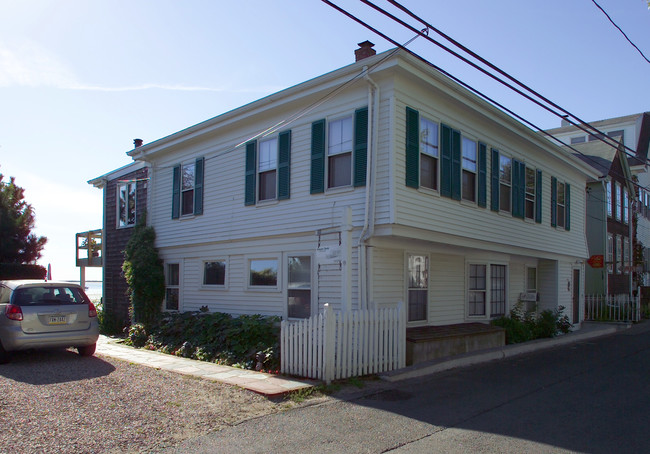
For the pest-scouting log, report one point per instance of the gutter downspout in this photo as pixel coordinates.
(369, 218)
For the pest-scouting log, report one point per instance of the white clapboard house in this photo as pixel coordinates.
(379, 182)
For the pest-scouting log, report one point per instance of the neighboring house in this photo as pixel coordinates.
(125, 203)
(379, 182)
(618, 218)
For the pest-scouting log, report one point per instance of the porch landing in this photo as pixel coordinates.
(425, 343)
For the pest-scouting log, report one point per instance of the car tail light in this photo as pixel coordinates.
(14, 312)
(92, 311)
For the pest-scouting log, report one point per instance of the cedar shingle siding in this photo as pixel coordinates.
(116, 299)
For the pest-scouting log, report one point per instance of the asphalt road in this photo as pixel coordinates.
(585, 397)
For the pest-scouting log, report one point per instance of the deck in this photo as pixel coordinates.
(425, 343)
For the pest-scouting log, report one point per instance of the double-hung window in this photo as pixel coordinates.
(626, 206)
(428, 154)
(172, 286)
(339, 152)
(187, 192)
(268, 169)
(126, 193)
(608, 195)
(530, 193)
(619, 254)
(263, 273)
(299, 287)
(626, 255)
(560, 204)
(469, 169)
(487, 290)
(505, 183)
(418, 287)
(618, 198)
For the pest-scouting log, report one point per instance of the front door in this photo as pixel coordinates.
(576, 296)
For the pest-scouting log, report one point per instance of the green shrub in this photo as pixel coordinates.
(247, 341)
(522, 327)
(109, 324)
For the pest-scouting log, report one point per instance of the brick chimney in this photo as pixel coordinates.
(137, 143)
(365, 50)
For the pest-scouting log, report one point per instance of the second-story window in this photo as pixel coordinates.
(187, 189)
(626, 206)
(469, 169)
(505, 183)
(608, 195)
(561, 204)
(126, 204)
(428, 154)
(267, 165)
(530, 193)
(618, 200)
(339, 153)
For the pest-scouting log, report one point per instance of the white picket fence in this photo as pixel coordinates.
(336, 345)
(613, 308)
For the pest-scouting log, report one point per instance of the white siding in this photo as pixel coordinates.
(447, 289)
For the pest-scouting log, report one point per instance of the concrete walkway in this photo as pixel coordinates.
(267, 384)
(277, 385)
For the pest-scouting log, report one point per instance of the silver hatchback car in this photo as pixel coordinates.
(46, 314)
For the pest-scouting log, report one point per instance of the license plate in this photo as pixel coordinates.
(58, 320)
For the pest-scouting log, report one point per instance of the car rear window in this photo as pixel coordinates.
(40, 296)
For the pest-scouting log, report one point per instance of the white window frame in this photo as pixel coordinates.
(313, 284)
(469, 167)
(618, 211)
(487, 291)
(626, 206)
(127, 185)
(409, 288)
(560, 206)
(169, 286)
(530, 197)
(223, 286)
(619, 254)
(429, 151)
(608, 198)
(626, 255)
(267, 165)
(184, 189)
(531, 288)
(340, 148)
(264, 288)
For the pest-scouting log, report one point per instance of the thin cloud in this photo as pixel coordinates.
(32, 66)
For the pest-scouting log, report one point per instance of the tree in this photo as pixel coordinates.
(17, 242)
(144, 274)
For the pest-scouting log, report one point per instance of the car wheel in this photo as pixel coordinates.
(87, 350)
(5, 356)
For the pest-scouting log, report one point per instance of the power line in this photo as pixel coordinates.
(620, 30)
(566, 115)
(479, 93)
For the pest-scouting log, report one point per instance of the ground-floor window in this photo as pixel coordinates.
(418, 287)
(172, 286)
(486, 290)
(299, 287)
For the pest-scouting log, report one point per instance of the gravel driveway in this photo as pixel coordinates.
(56, 401)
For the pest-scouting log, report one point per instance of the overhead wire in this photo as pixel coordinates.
(601, 136)
(620, 30)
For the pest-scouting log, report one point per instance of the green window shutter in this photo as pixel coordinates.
(455, 165)
(199, 166)
(284, 165)
(567, 206)
(445, 161)
(412, 148)
(251, 174)
(317, 157)
(553, 202)
(494, 181)
(518, 189)
(482, 175)
(360, 146)
(538, 197)
(176, 192)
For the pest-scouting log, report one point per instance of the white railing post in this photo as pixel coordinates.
(329, 344)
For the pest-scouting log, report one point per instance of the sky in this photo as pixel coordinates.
(80, 79)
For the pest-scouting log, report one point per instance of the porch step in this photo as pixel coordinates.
(427, 343)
